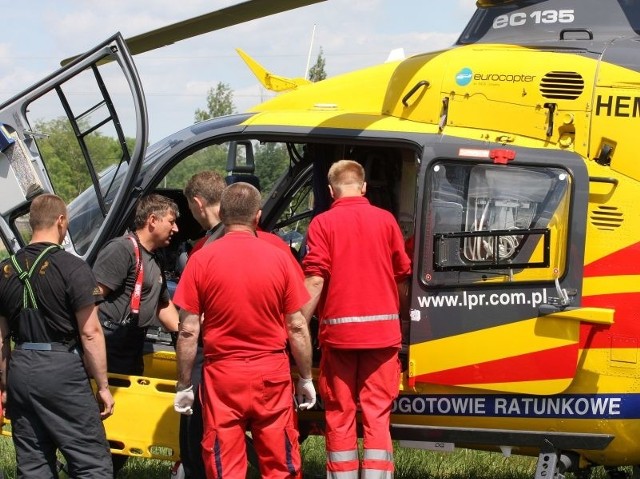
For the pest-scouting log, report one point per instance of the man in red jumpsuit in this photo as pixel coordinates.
(251, 297)
(203, 192)
(356, 271)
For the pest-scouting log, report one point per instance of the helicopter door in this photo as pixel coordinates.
(498, 267)
(84, 146)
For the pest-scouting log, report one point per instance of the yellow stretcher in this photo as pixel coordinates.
(144, 423)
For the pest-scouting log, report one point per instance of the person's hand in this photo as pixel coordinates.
(305, 394)
(184, 401)
(105, 402)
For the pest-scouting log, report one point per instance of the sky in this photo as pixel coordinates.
(353, 34)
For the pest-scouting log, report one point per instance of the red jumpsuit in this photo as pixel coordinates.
(244, 287)
(359, 251)
(263, 235)
(279, 243)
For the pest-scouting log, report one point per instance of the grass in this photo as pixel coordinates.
(410, 464)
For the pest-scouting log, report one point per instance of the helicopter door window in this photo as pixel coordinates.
(85, 146)
(492, 223)
(268, 160)
(501, 200)
(293, 223)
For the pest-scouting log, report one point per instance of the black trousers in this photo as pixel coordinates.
(51, 406)
(191, 428)
(125, 345)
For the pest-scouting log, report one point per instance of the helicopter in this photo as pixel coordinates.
(509, 163)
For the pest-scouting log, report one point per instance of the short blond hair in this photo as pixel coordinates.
(345, 173)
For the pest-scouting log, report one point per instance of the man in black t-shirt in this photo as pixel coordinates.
(48, 395)
(116, 270)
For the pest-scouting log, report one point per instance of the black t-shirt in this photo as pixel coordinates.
(62, 284)
(115, 268)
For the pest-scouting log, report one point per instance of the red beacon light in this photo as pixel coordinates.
(502, 156)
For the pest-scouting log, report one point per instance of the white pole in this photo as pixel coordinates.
(313, 34)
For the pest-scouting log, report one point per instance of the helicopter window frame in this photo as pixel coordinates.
(518, 233)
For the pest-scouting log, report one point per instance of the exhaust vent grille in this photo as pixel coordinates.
(606, 218)
(562, 85)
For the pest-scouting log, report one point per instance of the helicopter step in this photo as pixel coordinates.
(553, 463)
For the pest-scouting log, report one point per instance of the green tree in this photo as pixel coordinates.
(63, 158)
(219, 103)
(272, 160)
(316, 72)
(212, 157)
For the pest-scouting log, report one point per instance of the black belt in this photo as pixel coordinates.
(59, 347)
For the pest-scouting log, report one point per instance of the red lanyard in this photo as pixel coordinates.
(136, 297)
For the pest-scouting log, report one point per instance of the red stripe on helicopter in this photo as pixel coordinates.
(622, 262)
(625, 322)
(557, 363)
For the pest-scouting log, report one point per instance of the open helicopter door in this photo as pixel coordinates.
(85, 144)
(498, 269)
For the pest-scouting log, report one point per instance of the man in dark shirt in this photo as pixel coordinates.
(117, 269)
(127, 263)
(57, 335)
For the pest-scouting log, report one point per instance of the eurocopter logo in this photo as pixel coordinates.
(464, 76)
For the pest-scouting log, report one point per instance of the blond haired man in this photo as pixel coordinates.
(355, 268)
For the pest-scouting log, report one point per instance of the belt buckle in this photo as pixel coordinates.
(109, 325)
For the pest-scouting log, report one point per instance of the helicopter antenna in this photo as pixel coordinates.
(313, 35)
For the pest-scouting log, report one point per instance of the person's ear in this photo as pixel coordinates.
(363, 190)
(63, 226)
(152, 220)
(331, 192)
(258, 216)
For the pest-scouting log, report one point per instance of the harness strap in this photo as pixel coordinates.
(25, 276)
(136, 296)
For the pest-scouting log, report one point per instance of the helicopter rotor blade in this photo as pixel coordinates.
(226, 17)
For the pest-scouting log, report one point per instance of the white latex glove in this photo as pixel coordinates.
(305, 394)
(183, 401)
